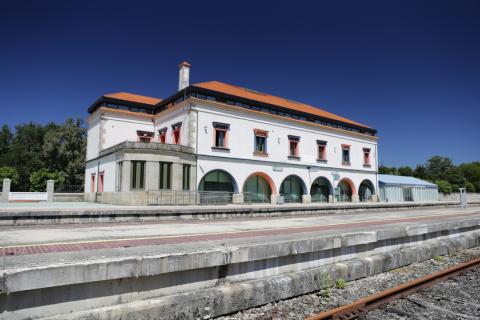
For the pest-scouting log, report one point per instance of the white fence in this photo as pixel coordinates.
(28, 196)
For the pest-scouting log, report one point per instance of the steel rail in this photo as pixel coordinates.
(374, 301)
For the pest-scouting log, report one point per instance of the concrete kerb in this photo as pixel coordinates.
(138, 214)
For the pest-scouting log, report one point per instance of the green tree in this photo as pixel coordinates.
(38, 179)
(439, 168)
(387, 170)
(444, 186)
(9, 173)
(420, 172)
(405, 171)
(470, 186)
(64, 150)
(6, 137)
(471, 171)
(26, 150)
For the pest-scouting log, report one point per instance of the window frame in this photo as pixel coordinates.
(346, 147)
(144, 136)
(322, 155)
(133, 177)
(367, 161)
(220, 127)
(186, 178)
(176, 132)
(161, 173)
(295, 141)
(162, 135)
(258, 133)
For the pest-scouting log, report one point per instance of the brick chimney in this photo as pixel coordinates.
(183, 75)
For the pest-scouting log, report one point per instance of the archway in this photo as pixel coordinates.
(259, 187)
(218, 180)
(347, 189)
(366, 190)
(321, 189)
(292, 188)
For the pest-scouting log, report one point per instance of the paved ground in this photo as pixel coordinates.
(26, 245)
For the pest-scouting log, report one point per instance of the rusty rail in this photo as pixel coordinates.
(374, 301)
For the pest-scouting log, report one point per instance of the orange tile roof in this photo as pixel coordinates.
(270, 99)
(133, 98)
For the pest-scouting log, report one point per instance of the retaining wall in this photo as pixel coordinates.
(220, 280)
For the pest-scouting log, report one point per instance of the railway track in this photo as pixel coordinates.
(375, 301)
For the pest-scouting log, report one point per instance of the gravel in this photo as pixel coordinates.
(457, 298)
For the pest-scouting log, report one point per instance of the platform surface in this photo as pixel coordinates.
(23, 246)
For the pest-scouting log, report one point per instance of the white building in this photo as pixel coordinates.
(213, 136)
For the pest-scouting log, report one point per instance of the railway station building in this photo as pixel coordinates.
(213, 138)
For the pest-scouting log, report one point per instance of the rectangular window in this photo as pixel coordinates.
(293, 142)
(162, 135)
(260, 142)
(92, 183)
(144, 136)
(176, 132)
(118, 184)
(137, 181)
(165, 175)
(345, 154)
(322, 150)
(366, 156)
(100, 181)
(221, 134)
(186, 177)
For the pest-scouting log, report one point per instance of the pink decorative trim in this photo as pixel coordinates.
(270, 182)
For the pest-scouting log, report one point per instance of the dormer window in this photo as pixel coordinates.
(293, 142)
(176, 132)
(162, 135)
(144, 136)
(322, 150)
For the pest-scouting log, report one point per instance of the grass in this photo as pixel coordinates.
(439, 258)
(340, 283)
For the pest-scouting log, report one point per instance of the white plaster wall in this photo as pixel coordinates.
(106, 164)
(117, 128)
(241, 139)
(93, 136)
(167, 118)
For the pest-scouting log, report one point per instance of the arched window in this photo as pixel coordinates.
(217, 180)
(292, 189)
(320, 190)
(257, 188)
(345, 191)
(366, 190)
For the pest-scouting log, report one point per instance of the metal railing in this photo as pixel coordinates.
(179, 197)
(69, 188)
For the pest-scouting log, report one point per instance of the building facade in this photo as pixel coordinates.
(213, 137)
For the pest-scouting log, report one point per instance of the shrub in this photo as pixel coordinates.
(340, 283)
(9, 173)
(38, 179)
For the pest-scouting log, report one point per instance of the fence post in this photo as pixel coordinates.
(5, 190)
(50, 190)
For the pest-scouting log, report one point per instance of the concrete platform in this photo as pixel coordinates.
(84, 212)
(196, 269)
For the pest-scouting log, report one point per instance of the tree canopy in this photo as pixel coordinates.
(51, 150)
(443, 172)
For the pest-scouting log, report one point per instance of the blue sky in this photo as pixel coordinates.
(411, 69)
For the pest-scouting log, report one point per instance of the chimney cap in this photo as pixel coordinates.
(184, 64)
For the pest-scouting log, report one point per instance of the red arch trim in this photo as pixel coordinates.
(267, 178)
(351, 184)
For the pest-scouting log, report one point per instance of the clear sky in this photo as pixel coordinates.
(411, 69)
